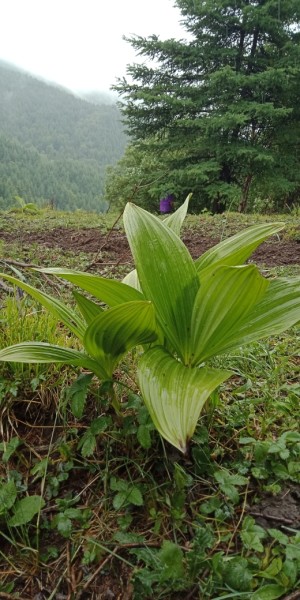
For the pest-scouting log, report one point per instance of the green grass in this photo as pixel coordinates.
(45, 219)
(216, 226)
(124, 511)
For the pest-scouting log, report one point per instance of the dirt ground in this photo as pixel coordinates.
(274, 252)
(281, 511)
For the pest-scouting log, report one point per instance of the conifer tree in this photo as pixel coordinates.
(222, 106)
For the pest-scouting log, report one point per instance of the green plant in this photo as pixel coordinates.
(182, 312)
(275, 458)
(22, 206)
(17, 512)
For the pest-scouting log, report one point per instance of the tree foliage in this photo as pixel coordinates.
(54, 146)
(221, 108)
(139, 176)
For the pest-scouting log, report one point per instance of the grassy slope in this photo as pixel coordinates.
(124, 512)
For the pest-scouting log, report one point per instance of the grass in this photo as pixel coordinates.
(113, 509)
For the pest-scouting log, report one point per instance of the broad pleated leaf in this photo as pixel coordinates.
(40, 352)
(237, 249)
(110, 291)
(278, 310)
(132, 280)
(89, 309)
(166, 273)
(119, 329)
(175, 220)
(55, 307)
(225, 298)
(175, 394)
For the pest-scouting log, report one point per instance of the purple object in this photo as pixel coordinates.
(166, 204)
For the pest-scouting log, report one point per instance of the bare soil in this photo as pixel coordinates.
(274, 252)
(281, 511)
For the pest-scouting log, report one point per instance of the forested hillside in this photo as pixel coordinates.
(54, 146)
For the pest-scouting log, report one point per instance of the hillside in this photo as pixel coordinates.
(54, 146)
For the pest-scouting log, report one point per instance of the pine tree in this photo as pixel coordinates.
(222, 106)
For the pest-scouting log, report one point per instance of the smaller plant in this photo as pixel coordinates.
(181, 312)
(17, 512)
(23, 207)
(277, 459)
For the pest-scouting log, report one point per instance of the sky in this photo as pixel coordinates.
(78, 43)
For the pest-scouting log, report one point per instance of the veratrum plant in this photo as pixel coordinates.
(182, 312)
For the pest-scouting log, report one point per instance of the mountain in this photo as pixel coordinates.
(54, 146)
(98, 97)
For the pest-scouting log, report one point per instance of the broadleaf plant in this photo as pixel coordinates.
(181, 312)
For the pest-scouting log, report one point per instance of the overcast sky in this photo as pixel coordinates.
(78, 43)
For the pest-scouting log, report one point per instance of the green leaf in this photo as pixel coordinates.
(25, 509)
(272, 569)
(237, 574)
(228, 482)
(143, 436)
(237, 249)
(118, 485)
(132, 280)
(73, 513)
(280, 537)
(64, 525)
(40, 352)
(88, 308)
(171, 557)
(252, 534)
(9, 448)
(291, 436)
(293, 551)
(223, 476)
(107, 290)
(135, 496)
(166, 273)
(118, 329)
(77, 394)
(120, 500)
(100, 424)
(64, 314)
(290, 571)
(8, 495)
(251, 541)
(225, 299)
(175, 220)
(278, 310)
(175, 394)
(280, 471)
(268, 592)
(127, 494)
(210, 506)
(87, 444)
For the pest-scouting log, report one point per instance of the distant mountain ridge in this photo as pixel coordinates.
(54, 146)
